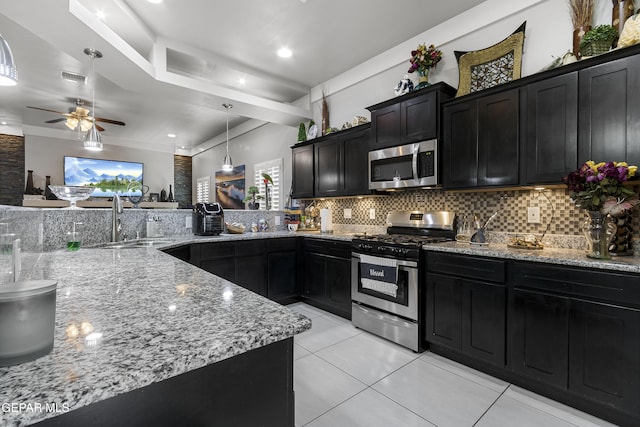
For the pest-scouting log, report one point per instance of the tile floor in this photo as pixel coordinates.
(345, 377)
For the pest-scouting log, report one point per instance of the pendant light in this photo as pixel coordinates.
(8, 70)
(92, 140)
(227, 164)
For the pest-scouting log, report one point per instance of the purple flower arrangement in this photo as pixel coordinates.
(424, 58)
(599, 187)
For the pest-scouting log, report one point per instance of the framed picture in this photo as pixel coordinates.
(230, 188)
(493, 66)
(154, 197)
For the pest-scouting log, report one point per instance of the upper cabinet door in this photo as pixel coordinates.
(302, 172)
(459, 162)
(385, 126)
(498, 139)
(609, 112)
(551, 138)
(329, 169)
(419, 118)
(356, 163)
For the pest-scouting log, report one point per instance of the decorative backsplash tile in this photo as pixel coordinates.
(561, 213)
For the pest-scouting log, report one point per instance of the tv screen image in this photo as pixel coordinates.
(108, 177)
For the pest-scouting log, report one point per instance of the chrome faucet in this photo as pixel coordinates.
(116, 222)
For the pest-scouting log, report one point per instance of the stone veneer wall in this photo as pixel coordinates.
(12, 172)
(182, 175)
(568, 219)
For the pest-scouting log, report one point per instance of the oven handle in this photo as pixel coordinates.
(400, 262)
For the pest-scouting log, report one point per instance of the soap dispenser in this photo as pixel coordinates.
(73, 237)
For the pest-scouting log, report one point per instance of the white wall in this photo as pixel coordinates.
(548, 35)
(267, 142)
(45, 156)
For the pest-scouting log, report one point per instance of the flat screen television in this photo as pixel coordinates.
(107, 176)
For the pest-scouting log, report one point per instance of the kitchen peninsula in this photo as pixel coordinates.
(142, 338)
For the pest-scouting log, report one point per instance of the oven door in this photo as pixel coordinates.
(404, 304)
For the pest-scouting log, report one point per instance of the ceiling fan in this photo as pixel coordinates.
(78, 117)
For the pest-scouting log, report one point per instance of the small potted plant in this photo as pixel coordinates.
(252, 196)
(598, 40)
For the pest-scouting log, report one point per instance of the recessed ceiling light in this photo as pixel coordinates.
(284, 52)
(171, 135)
(3, 123)
(155, 1)
(101, 15)
(242, 81)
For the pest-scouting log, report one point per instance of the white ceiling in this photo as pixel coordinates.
(169, 67)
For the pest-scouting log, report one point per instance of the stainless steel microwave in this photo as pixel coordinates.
(404, 166)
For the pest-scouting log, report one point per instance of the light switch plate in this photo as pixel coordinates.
(347, 213)
(372, 213)
(533, 215)
(187, 222)
(277, 220)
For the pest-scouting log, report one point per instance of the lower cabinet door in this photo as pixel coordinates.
(313, 285)
(539, 337)
(604, 354)
(444, 310)
(251, 273)
(222, 267)
(282, 283)
(338, 282)
(484, 321)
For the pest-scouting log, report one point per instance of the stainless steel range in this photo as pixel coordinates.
(386, 270)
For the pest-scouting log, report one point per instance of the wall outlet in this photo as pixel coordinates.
(347, 214)
(277, 220)
(187, 222)
(372, 213)
(533, 215)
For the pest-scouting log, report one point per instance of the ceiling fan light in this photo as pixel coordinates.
(8, 70)
(71, 123)
(93, 141)
(85, 125)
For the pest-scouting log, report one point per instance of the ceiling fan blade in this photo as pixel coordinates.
(113, 122)
(100, 128)
(46, 109)
(56, 120)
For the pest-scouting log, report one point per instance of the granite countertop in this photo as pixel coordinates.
(568, 257)
(152, 317)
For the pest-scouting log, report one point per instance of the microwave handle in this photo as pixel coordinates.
(414, 162)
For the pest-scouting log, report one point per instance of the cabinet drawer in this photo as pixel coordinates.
(253, 247)
(282, 244)
(215, 250)
(327, 247)
(609, 286)
(467, 266)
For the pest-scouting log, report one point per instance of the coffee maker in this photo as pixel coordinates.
(208, 219)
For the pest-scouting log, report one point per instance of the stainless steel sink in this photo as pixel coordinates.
(132, 244)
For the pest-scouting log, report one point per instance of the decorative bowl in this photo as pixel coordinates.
(235, 228)
(71, 194)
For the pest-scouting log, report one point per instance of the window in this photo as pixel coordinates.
(274, 169)
(203, 185)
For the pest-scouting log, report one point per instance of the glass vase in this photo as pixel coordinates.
(423, 79)
(598, 232)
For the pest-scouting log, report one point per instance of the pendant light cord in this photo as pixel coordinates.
(227, 106)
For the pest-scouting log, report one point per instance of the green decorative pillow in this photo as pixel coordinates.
(493, 66)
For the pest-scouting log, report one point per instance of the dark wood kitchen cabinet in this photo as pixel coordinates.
(217, 258)
(609, 111)
(550, 138)
(302, 173)
(327, 276)
(466, 305)
(283, 276)
(480, 146)
(251, 265)
(341, 163)
(578, 331)
(408, 118)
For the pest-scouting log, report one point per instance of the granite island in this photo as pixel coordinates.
(144, 338)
